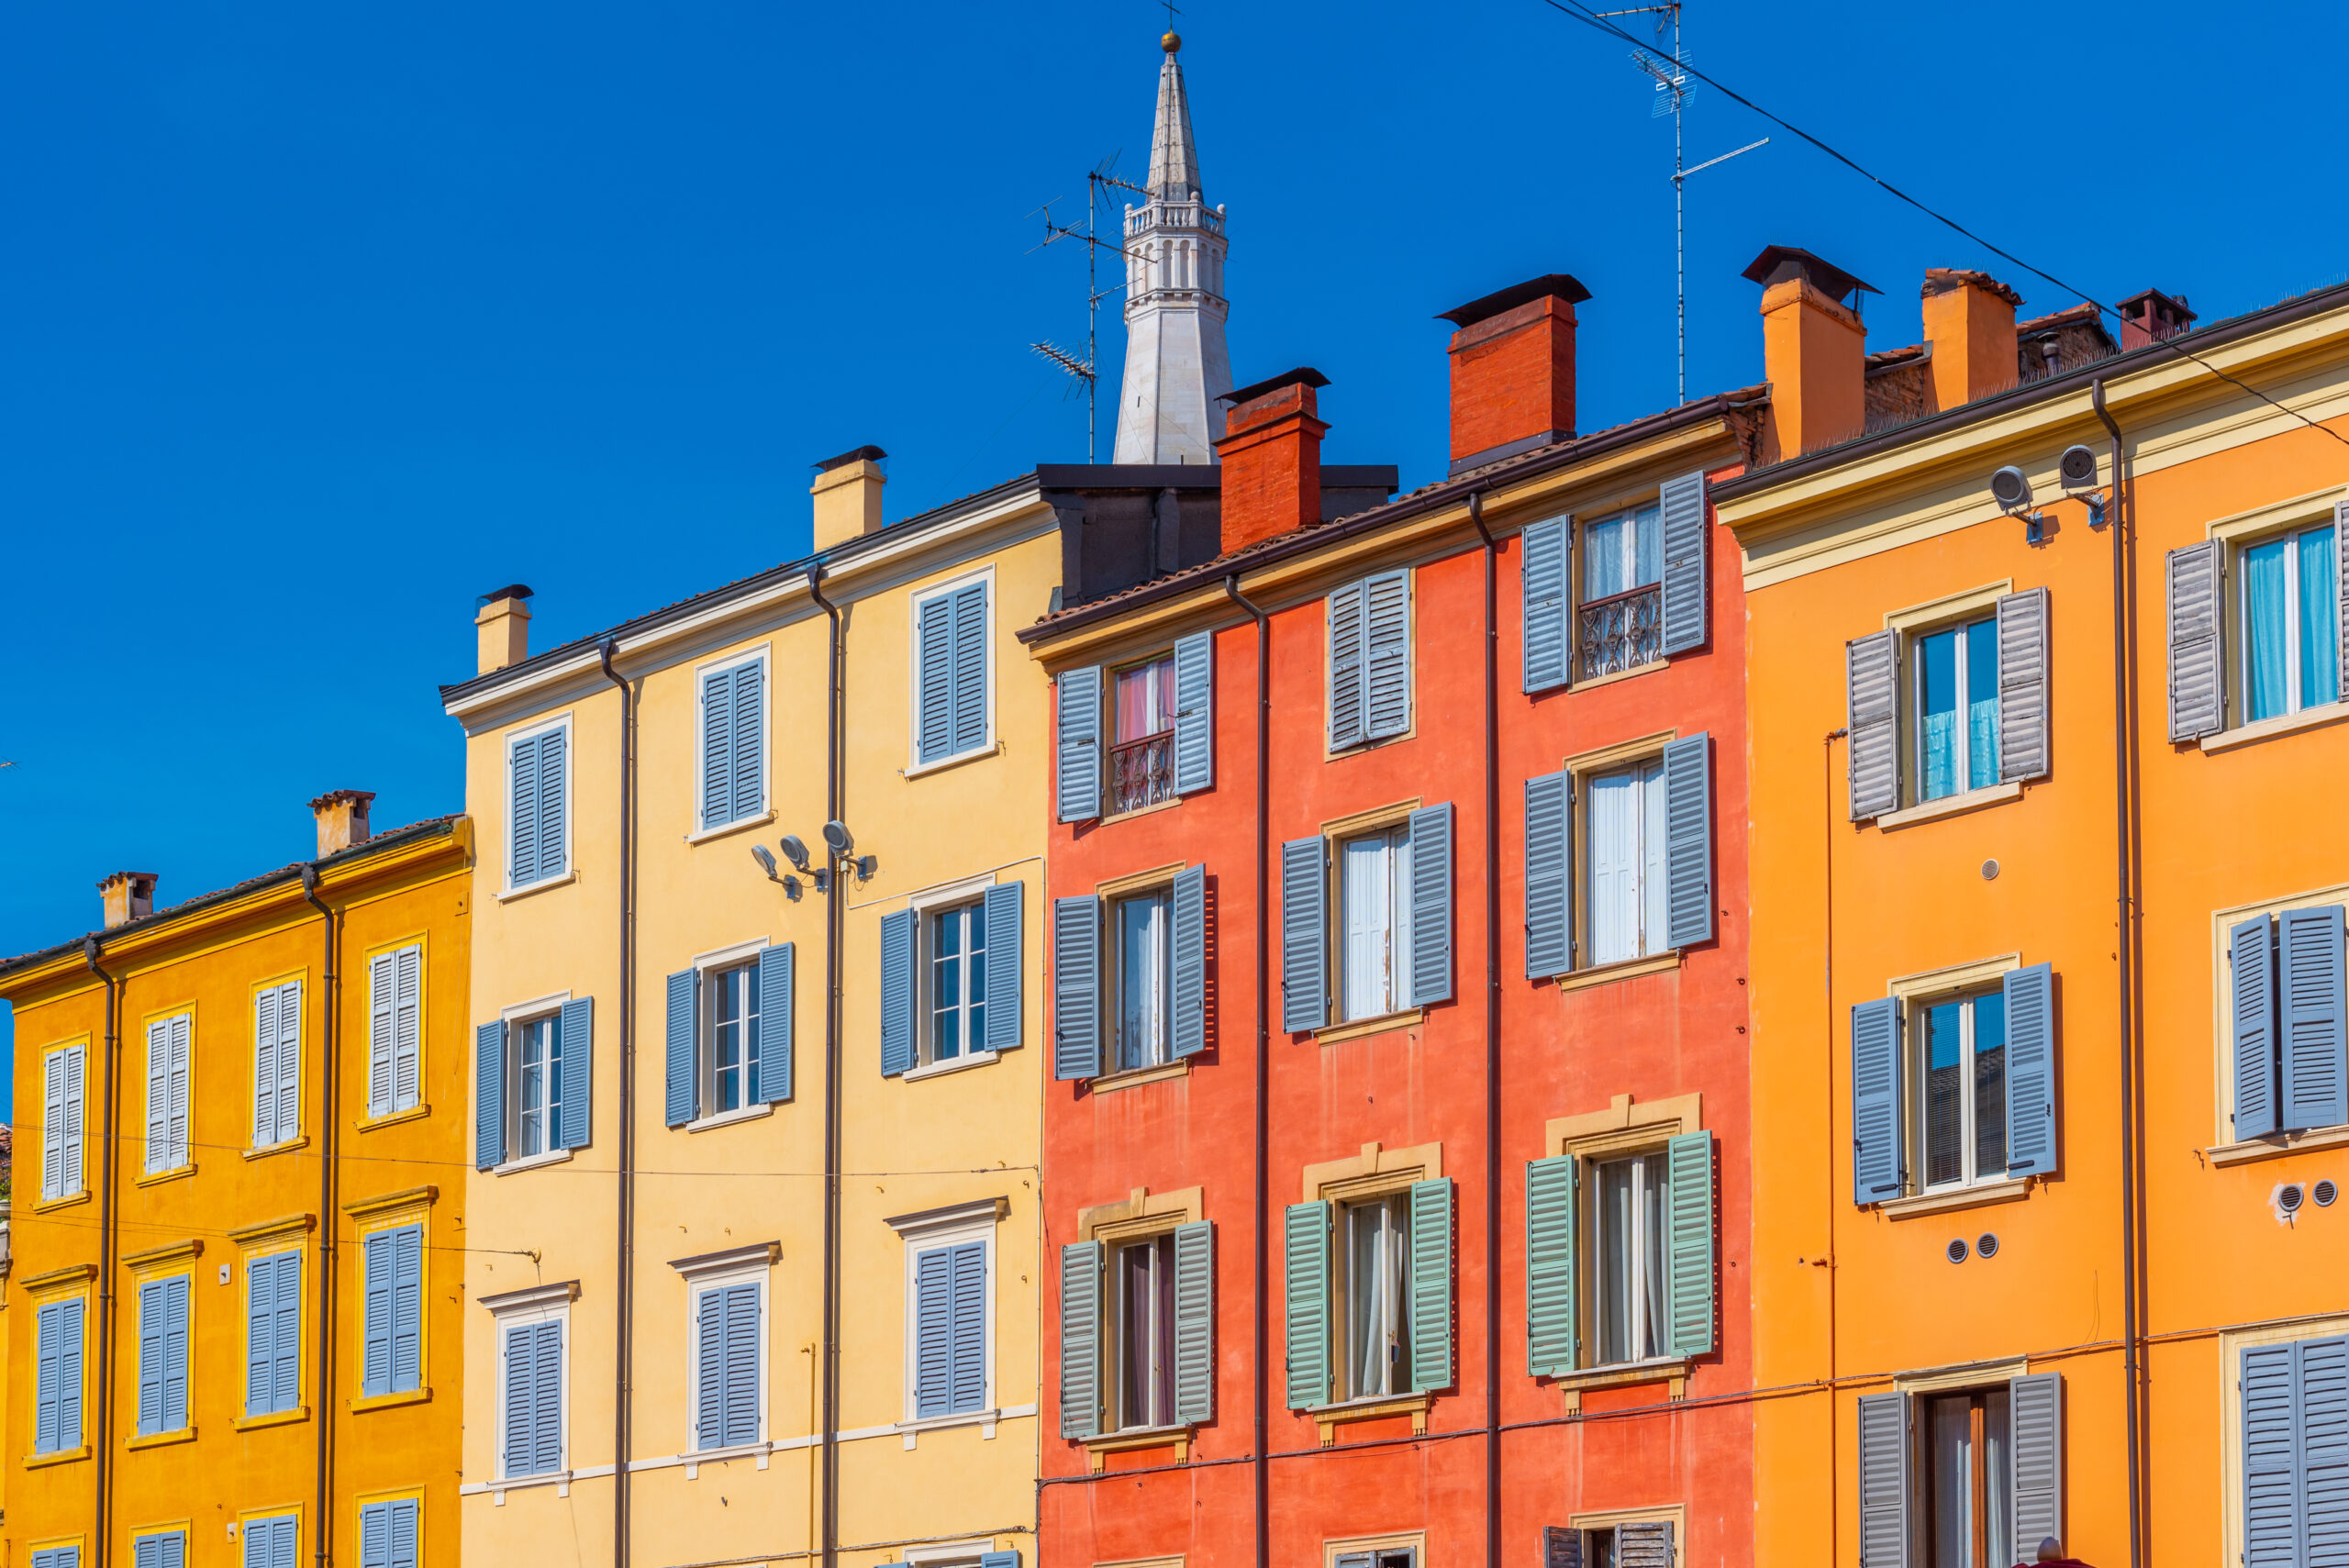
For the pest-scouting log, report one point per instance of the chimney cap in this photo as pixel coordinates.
(1304, 374)
(1941, 280)
(860, 454)
(2152, 300)
(1560, 286)
(359, 797)
(133, 877)
(1778, 262)
(511, 591)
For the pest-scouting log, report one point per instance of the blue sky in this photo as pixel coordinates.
(315, 322)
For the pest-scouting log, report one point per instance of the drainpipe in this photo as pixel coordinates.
(834, 916)
(2124, 765)
(1492, 1041)
(107, 1144)
(624, 1362)
(329, 1076)
(1263, 1060)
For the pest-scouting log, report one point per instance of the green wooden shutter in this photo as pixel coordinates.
(1548, 608)
(2030, 1071)
(1077, 760)
(1884, 1480)
(2250, 958)
(2035, 1407)
(1431, 891)
(1682, 502)
(1076, 987)
(1188, 983)
(1306, 1302)
(1081, 1265)
(489, 1095)
(1688, 840)
(1432, 1284)
(900, 931)
(1689, 1160)
(681, 1092)
(1006, 965)
(1305, 942)
(1194, 712)
(1549, 861)
(1877, 1170)
(1195, 1321)
(1549, 1234)
(576, 1028)
(778, 977)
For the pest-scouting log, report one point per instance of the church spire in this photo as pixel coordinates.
(1174, 158)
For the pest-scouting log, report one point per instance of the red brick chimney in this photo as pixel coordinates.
(1970, 322)
(1814, 350)
(1270, 454)
(1513, 370)
(2150, 315)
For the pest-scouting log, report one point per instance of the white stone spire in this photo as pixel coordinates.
(1176, 365)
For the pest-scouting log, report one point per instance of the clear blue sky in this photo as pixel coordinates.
(318, 321)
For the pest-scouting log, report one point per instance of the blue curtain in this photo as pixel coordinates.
(1981, 703)
(2320, 620)
(1937, 716)
(2264, 583)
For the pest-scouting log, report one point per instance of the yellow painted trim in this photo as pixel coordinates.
(2260, 729)
(156, 1178)
(63, 1456)
(1354, 1028)
(1333, 1549)
(1674, 1515)
(1142, 1213)
(1950, 806)
(1956, 977)
(367, 1402)
(1973, 1374)
(1661, 662)
(163, 1440)
(385, 1202)
(1141, 881)
(413, 1113)
(270, 1230)
(2260, 1149)
(50, 1205)
(1169, 804)
(149, 1018)
(1681, 1113)
(1981, 1195)
(1390, 816)
(275, 1418)
(1137, 1077)
(46, 1542)
(1177, 1437)
(1328, 1419)
(1623, 968)
(1637, 750)
(1673, 1371)
(288, 1147)
(72, 1273)
(170, 1252)
(1949, 606)
(246, 1515)
(2317, 505)
(1173, 1560)
(1374, 1170)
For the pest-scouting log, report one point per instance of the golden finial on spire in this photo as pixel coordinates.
(1171, 42)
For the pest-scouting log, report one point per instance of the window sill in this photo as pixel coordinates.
(983, 1419)
(51, 1205)
(529, 1163)
(63, 1456)
(2013, 1189)
(716, 1119)
(1368, 744)
(1595, 682)
(1672, 1369)
(2276, 1145)
(558, 1479)
(758, 1450)
(1354, 1028)
(956, 761)
(508, 894)
(1100, 1449)
(156, 1178)
(951, 1064)
(2282, 724)
(162, 1440)
(1950, 806)
(1169, 804)
(394, 1118)
(1329, 1418)
(288, 1147)
(724, 829)
(1621, 969)
(1135, 1077)
(367, 1402)
(275, 1419)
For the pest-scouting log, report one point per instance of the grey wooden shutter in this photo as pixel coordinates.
(1872, 685)
(1195, 1321)
(2030, 1071)
(1549, 857)
(489, 1095)
(2324, 1448)
(900, 931)
(2197, 674)
(578, 1026)
(1688, 1245)
(1386, 656)
(2036, 1405)
(934, 680)
(1688, 840)
(408, 1308)
(1076, 987)
(1194, 712)
(1884, 1480)
(158, 1094)
(150, 1358)
(1877, 1169)
(1643, 1543)
(681, 1088)
(553, 835)
(1549, 1234)
(1432, 901)
(1305, 942)
(375, 1315)
(1548, 608)
(998, 1559)
(1190, 976)
(522, 812)
(382, 991)
(2250, 955)
(970, 668)
(2314, 1046)
(748, 782)
(716, 747)
(1683, 504)
(778, 988)
(1346, 667)
(408, 1031)
(1432, 1284)
(1561, 1547)
(516, 1457)
(1006, 916)
(2267, 1383)
(2022, 684)
(2341, 588)
(1305, 1245)
(1081, 1264)
(265, 1068)
(1077, 758)
(288, 1097)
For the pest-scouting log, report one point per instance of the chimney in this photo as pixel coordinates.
(342, 819)
(1814, 351)
(1970, 322)
(2150, 315)
(502, 617)
(1271, 454)
(1513, 370)
(130, 895)
(848, 496)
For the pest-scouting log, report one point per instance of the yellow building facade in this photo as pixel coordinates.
(237, 1235)
(756, 1115)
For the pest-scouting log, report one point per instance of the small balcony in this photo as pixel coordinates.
(1620, 632)
(1142, 772)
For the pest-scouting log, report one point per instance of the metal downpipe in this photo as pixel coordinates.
(329, 1079)
(624, 1351)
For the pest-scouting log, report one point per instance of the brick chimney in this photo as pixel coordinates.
(342, 819)
(1513, 370)
(1271, 454)
(1970, 322)
(2150, 315)
(1814, 351)
(502, 620)
(848, 496)
(130, 895)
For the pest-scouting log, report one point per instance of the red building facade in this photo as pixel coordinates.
(1394, 1164)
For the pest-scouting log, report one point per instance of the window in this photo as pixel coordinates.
(1142, 750)
(1953, 1083)
(539, 819)
(2294, 1406)
(1138, 1331)
(2290, 1056)
(1947, 700)
(166, 1549)
(1389, 1557)
(1641, 589)
(1957, 709)
(1374, 1300)
(1955, 1477)
(59, 1557)
(163, 1355)
(949, 978)
(273, 1542)
(392, 1338)
(60, 1127)
(733, 743)
(538, 1084)
(1144, 1306)
(1369, 660)
(277, 1065)
(1629, 873)
(533, 1394)
(728, 1373)
(57, 1376)
(958, 981)
(387, 1533)
(1960, 1109)
(1969, 1493)
(1143, 931)
(2290, 614)
(1369, 1295)
(396, 1022)
(536, 1072)
(1162, 730)
(950, 1310)
(1621, 1254)
(1629, 1240)
(167, 1084)
(1639, 1543)
(272, 1333)
(950, 661)
(733, 1055)
(1392, 917)
(1374, 896)
(1644, 832)
(1619, 625)
(728, 1045)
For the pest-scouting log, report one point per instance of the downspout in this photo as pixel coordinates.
(329, 1078)
(2125, 763)
(1264, 1063)
(103, 1547)
(834, 914)
(1492, 1039)
(624, 1356)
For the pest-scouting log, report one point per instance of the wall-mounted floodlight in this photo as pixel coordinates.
(797, 849)
(837, 839)
(2078, 466)
(2010, 490)
(765, 857)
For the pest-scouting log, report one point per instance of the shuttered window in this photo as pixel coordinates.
(1647, 1288)
(388, 1532)
(1138, 1333)
(727, 1348)
(164, 1549)
(733, 743)
(489, 1095)
(950, 1315)
(273, 1542)
(2289, 1059)
(1369, 660)
(1548, 608)
(1076, 987)
(1645, 886)
(58, 1557)
(1077, 753)
(163, 1355)
(57, 1376)
(2294, 1412)
(1369, 1288)
(951, 674)
(539, 819)
(392, 1333)
(726, 1040)
(277, 1065)
(1953, 1090)
(395, 1031)
(1082, 1266)
(272, 1333)
(167, 1090)
(1961, 1475)
(532, 1444)
(60, 1127)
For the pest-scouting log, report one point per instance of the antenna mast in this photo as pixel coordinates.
(1086, 370)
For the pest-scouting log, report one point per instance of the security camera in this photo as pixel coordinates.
(2010, 489)
(2078, 466)
(794, 847)
(836, 839)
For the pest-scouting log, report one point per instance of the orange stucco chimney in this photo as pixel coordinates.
(342, 819)
(1814, 350)
(1271, 454)
(1970, 322)
(503, 621)
(130, 895)
(1513, 370)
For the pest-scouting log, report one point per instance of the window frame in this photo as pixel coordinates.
(516, 1041)
(923, 906)
(982, 576)
(1113, 988)
(144, 1281)
(713, 979)
(72, 1185)
(1578, 600)
(2235, 621)
(1118, 1351)
(534, 1308)
(393, 950)
(1916, 1063)
(248, 1518)
(1111, 809)
(1653, 845)
(363, 1501)
(1397, 836)
(1910, 994)
(1592, 1246)
(2232, 1458)
(508, 741)
(1331, 748)
(148, 1169)
(1967, 624)
(1582, 773)
(1985, 1475)
(1396, 1204)
(84, 1297)
(698, 1285)
(387, 1222)
(763, 810)
(278, 1244)
(2223, 1140)
(971, 908)
(706, 967)
(930, 1232)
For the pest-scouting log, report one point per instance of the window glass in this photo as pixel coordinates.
(1962, 1090)
(1969, 1480)
(538, 1086)
(958, 981)
(1377, 1297)
(1626, 845)
(1622, 552)
(1376, 905)
(2291, 624)
(734, 1038)
(1957, 709)
(1145, 1306)
(1630, 1255)
(1145, 699)
(1145, 936)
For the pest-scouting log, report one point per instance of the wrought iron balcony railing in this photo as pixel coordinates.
(1141, 773)
(1620, 633)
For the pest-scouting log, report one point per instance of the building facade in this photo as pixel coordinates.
(237, 1261)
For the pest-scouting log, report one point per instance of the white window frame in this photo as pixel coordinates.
(925, 904)
(1972, 623)
(1654, 1168)
(73, 1183)
(252, 1060)
(1651, 851)
(915, 766)
(1914, 1065)
(2231, 1344)
(1396, 1201)
(1161, 1243)
(764, 811)
(1397, 836)
(740, 1265)
(707, 967)
(712, 979)
(925, 1232)
(2239, 617)
(511, 1017)
(507, 887)
(1114, 967)
(529, 1308)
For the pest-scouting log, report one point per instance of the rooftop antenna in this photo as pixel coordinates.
(1085, 371)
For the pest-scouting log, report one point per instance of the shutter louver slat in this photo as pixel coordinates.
(681, 1042)
(265, 1068)
(1682, 502)
(1305, 956)
(716, 747)
(2023, 686)
(970, 668)
(519, 1456)
(175, 1353)
(68, 1375)
(934, 732)
(1872, 687)
(150, 1358)
(1195, 1321)
(1884, 1480)
(489, 1095)
(289, 1061)
(1878, 1170)
(374, 1536)
(748, 780)
(933, 1331)
(1688, 840)
(741, 1421)
(967, 1382)
(1549, 849)
(1548, 613)
(407, 1308)
(1076, 987)
(285, 1331)
(1077, 756)
(408, 1028)
(1431, 904)
(2268, 1384)
(778, 984)
(577, 1027)
(381, 988)
(2197, 674)
(1386, 656)
(375, 1334)
(73, 1179)
(1188, 982)
(2325, 1451)
(1195, 712)
(1550, 1235)
(709, 1370)
(1081, 1264)
(260, 1293)
(900, 931)
(2250, 958)
(2036, 1405)
(1345, 667)
(522, 813)
(1007, 931)
(1431, 1324)
(2314, 1046)
(2030, 1071)
(53, 1126)
(1306, 1302)
(1688, 1160)
(48, 1376)
(159, 1069)
(546, 1407)
(555, 857)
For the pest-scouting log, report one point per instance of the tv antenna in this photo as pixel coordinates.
(1085, 370)
(1668, 68)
